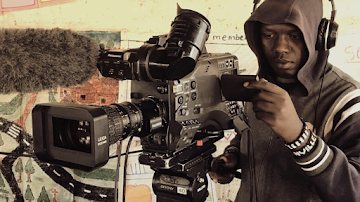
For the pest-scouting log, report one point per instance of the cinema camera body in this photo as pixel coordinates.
(177, 110)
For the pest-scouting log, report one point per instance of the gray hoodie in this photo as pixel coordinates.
(332, 171)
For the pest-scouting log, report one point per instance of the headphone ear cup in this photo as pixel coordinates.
(333, 32)
(321, 37)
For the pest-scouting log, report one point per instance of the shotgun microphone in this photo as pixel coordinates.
(33, 60)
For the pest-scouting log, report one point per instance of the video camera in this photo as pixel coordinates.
(177, 110)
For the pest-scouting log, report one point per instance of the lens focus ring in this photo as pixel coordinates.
(115, 124)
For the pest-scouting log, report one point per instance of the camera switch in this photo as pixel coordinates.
(196, 110)
(177, 88)
(183, 112)
(187, 97)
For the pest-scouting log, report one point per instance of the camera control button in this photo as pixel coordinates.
(180, 99)
(186, 87)
(193, 96)
(193, 84)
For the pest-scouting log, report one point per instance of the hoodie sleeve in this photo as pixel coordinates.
(334, 163)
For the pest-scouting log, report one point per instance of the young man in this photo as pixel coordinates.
(304, 143)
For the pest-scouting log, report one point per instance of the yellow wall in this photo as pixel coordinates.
(141, 19)
(141, 16)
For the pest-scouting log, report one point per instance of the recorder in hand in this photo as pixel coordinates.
(233, 89)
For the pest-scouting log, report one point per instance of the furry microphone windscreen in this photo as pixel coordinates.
(32, 60)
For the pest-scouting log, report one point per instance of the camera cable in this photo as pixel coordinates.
(125, 165)
(117, 172)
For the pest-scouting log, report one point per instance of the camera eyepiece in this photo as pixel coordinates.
(168, 57)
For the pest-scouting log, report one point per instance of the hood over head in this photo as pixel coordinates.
(304, 14)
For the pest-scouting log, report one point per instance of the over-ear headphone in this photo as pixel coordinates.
(327, 31)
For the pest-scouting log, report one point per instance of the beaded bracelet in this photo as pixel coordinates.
(310, 145)
(305, 132)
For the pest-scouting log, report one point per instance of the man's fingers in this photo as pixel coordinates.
(264, 85)
(265, 96)
(265, 106)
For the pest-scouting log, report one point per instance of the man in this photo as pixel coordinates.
(304, 143)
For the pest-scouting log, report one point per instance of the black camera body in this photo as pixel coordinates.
(195, 105)
(177, 109)
(165, 115)
(178, 123)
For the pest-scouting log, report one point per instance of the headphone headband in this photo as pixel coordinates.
(333, 10)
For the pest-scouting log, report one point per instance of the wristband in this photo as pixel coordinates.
(304, 134)
(307, 149)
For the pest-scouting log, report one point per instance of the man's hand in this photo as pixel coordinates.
(274, 106)
(230, 163)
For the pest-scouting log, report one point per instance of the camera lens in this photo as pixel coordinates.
(141, 118)
(124, 119)
(72, 134)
